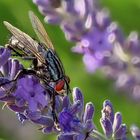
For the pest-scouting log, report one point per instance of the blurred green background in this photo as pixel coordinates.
(96, 87)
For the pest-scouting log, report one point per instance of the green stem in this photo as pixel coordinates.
(98, 135)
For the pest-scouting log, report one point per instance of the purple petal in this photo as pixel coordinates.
(14, 68)
(9, 98)
(20, 93)
(80, 137)
(77, 95)
(78, 49)
(58, 103)
(32, 104)
(65, 118)
(89, 125)
(89, 112)
(69, 7)
(67, 136)
(91, 62)
(33, 115)
(107, 127)
(44, 120)
(16, 108)
(66, 102)
(2, 93)
(117, 121)
(38, 88)
(75, 108)
(121, 133)
(20, 102)
(4, 56)
(26, 83)
(41, 99)
(53, 18)
(47, 130)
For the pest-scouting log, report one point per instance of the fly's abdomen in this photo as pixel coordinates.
(55, 67)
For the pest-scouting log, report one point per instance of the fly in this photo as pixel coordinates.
(46, 64)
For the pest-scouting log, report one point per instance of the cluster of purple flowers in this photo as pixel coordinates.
(30, 101)
(100, 41)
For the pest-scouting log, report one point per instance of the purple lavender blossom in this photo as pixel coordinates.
(81, 128)
(112, 123)
(98, 39)
(33, 96)
(8, 70)
(30, 101)
(74, 125)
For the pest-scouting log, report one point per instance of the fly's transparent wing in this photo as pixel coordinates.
(40, 30)
(26, 40)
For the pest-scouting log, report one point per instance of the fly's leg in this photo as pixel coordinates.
(52, 94)
(56, 122)
(23, 56)
(18, 75)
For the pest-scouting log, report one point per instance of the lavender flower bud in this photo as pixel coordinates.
(107, 127)
(89, 112)
(112, 126)
(66, 102)
(121, 132)
(117, 121)
(4, 55)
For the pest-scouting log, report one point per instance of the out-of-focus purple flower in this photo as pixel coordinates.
(101, 41)
(135, 132)
(75, 17)
(112, 123)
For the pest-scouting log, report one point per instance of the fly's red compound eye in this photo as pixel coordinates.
(60, 85)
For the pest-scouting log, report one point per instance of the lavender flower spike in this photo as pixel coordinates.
(112, 125)
(31, 101)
